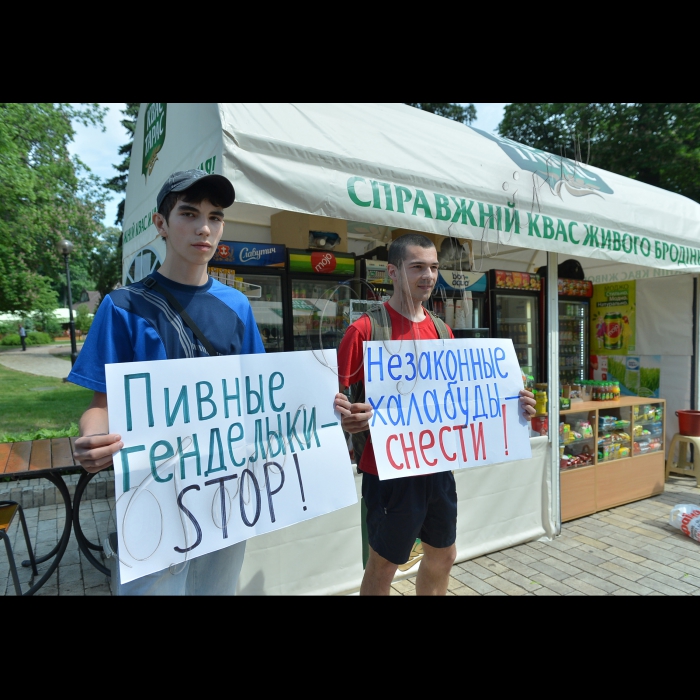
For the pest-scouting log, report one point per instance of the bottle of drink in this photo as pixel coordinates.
(541, 402)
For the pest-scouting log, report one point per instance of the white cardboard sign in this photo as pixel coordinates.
(220, 449)
(444, 404)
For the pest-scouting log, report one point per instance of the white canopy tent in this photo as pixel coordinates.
(392, 166)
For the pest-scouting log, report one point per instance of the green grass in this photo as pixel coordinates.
(25, 411)
(650, 378)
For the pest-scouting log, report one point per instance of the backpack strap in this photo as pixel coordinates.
(440, 326)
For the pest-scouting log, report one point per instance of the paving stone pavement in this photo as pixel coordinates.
(39, 359)
(629, 550)
(41, 492)
(75, 575)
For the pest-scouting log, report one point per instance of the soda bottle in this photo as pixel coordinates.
(686, 518)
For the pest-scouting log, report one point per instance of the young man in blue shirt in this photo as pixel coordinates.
(138, 323)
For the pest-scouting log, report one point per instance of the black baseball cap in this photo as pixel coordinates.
(184, 179)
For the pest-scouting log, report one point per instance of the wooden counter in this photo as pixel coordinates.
(605, 484)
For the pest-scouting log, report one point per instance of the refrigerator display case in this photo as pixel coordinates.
(372, 281)
(514, 311)
(574, 317)
(459, 299)
(257, 270)
(319, 295)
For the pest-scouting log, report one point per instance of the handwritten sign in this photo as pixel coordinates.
(220, 449)
(444, 404)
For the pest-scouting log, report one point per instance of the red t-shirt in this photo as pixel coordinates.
(351, 366)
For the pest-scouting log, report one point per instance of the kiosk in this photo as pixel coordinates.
(363, 170)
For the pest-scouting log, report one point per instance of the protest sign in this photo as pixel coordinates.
(444, 404)
(220, 449)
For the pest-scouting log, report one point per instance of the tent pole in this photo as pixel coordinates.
(695, 389)
(552, 336)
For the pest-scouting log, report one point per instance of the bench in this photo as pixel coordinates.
(51, 459)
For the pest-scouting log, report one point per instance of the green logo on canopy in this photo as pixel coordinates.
(153, 135)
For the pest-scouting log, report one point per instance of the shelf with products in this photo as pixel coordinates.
(577, 441)
(627, 463)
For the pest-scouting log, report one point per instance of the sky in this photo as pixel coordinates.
(100, 150)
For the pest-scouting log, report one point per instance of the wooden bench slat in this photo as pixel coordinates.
(61, 454)
(41, 455)
(19, 458)
(5, 448)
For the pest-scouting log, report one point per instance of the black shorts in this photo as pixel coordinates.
(400, 510)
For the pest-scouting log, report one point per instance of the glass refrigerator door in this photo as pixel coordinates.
(264, 293)
(478, 320)
(317, 309)
(573, 341)
(516, 318)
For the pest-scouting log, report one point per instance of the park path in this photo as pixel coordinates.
(42, 360)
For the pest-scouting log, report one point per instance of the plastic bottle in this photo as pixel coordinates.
(541, 402)
(616, 391)
(686, 517)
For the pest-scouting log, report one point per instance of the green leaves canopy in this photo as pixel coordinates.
(118, 182)
(449, 110)
(44, 195)
(653, 142)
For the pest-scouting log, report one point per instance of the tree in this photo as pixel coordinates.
(44, 195)
(465, 113)
(118, 183)
(106, 262)
(656, 143)
(83, 320)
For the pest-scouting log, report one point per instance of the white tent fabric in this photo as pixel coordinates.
(393, 165)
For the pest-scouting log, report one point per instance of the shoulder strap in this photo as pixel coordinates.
(151, 283)
(380, 323)
(440, 325)
(380, 329)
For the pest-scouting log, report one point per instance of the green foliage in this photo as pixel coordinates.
(33, 338)
(38, 338)
(118, 183)
(45, 195)
(10, 327)
(106, 262)
(45, 321)
(656, 143)
(83, 320)
(450, 110)
(44, 434)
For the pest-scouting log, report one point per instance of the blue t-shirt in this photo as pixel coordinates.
(135, 324)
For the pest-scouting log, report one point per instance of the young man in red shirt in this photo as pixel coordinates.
(425, 506)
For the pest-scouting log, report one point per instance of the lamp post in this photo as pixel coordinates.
(65, 248)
